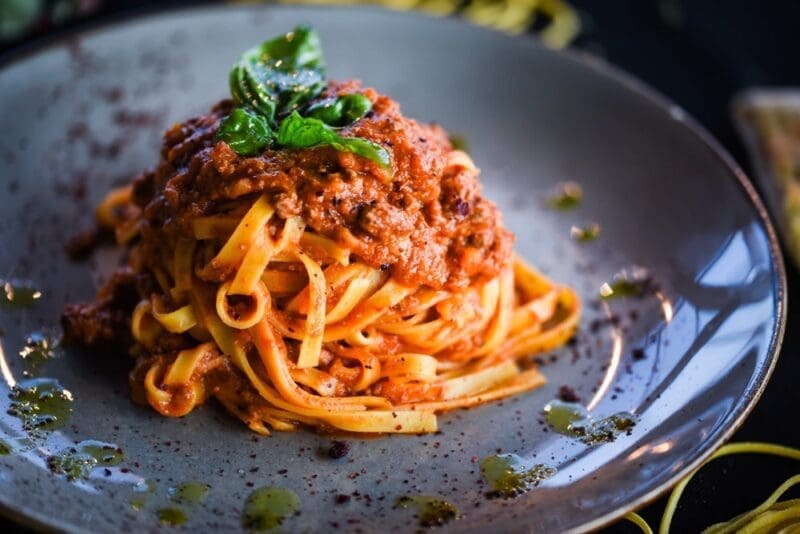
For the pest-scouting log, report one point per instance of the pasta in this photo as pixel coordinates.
(290, 286)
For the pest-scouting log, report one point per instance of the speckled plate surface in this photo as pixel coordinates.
(689, 360)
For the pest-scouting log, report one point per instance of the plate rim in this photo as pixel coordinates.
(599, 65)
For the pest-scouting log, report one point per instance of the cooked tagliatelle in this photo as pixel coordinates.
(317, 285)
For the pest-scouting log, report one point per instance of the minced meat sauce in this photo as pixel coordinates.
(424, 223)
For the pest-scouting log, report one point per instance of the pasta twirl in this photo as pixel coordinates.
(317, 284)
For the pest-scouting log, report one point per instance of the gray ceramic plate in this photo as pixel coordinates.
(690, 361)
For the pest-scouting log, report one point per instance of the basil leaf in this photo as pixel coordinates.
(340, 111)
(280, 75)
(246, 132)
(307, 132)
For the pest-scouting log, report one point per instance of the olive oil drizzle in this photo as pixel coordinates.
(267, 508)
(79, 461)
(40, 347)
(171, 516)
(572, 419)
(190, 493)
(509, 476)
(41, 404)
(432, 511)
(16, 294)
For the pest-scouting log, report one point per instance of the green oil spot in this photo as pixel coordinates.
(145, 490)
(459, 142)
(605, 430)
(72, 464)
(573, 420)
(621, 288)
(106, 454)
(5, 448)
(171, 516)
(633, 283)
(565, 196)
(77, 462)
(561, 416)
(432, 511)
(268, 508)
(188, 493)
(41, 404)
(585, 234)
(137, 503)
(18, 294)
(39, 348)
(509, 476)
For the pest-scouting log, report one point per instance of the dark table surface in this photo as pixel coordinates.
(698, 53)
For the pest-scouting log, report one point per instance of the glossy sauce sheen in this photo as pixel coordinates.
(428, 226)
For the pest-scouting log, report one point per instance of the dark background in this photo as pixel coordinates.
(698, 53)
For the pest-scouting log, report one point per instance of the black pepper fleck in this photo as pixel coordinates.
(339, 449)
(567, 394)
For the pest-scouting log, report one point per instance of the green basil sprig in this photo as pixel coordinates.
(281, 74)
(306, 132)
(246, 132)
(340, 111)
(272, 82)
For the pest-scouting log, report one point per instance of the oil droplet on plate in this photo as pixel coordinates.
(106, 454)
(137, 503)
(565, 196)
(41, 404)
(585, 234)
(634, 282)
(509, 476)
(459, 142)
(39, 348)
(432, 511)
(78, 462)
(144, 490)
(267, 508)
(16, 294)
(171, 516)
(571, 419)
(188, 493)
(561, 415)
